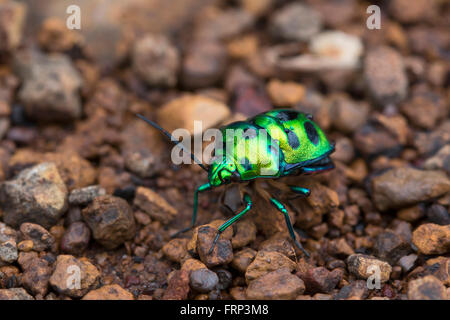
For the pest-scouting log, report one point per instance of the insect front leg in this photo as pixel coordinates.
(203, 187)
(224, 226)
(283, 210)
(300, 191)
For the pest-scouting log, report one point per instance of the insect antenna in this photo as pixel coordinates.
(172, 139)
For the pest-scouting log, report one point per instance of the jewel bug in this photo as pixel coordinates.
(280, 142)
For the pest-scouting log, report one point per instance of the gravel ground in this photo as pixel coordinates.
(88, 189)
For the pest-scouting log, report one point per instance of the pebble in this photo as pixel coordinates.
(176, 250)
(406, 12)
(320, 280)
(192, 264)
(401, 187)
(204, 64)
(8, 251)
(250, 99)
(203, 280)
(25, 245)
(177, 286)
(245, 233)
(297, 22)
(110, 220)
(355, 290)
(50, 89)
(76, 238)
(390, 247)
(385, 75)
(242, 259)
(109, 292)
(36, 275)
(438, 214)
(225, 278)
(347, 115)
(411, 214)
(276, 285)
(143, 149)
(83, 196)
(54, 36)
(285, 93)
(15, 294)
(222, 253)
(439, 161)
(407, 262)
(154, 205)
(37, 195)
(42, 239)
(63, 277)
(426, 288)
(14, 13)
(7, 233)
(432, 238)
(267, 261)
(156, 60)
(363, 266)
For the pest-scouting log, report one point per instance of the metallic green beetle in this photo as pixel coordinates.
(274, 144)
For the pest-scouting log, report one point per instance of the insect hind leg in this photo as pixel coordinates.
(228, 223)
(280, 207)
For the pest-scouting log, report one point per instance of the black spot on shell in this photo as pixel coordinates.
(311, 132)
(293, 141)
(249, 133)
(287, 115)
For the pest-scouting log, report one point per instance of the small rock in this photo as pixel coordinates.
(66, 267)
(25, 245)
(340, 247)
(37, 195)
(407, 12)
(192, 264)
(8, 251)
(54, 36)
(428, 143)
(204, 64)
(426, 288)
(109, 292)
(267, 261)
(242, 259)
(355, 290)
(250, 99)
(50, 89)
(276, 285)
(222, 253)
(347, 115)
(203, 280)
(42, 239)
(431, 238)
(385, 75)
(407, 262)
(225, 279)
(13, 13)
(154, 205)
(182, 112)
(76, 238)
(390, 247)
(440, 161)
(36, 275)
(156, 60)
(438, 214)
(410, 214)
(83, 196)
(15, 294)
(176, 250)
(285, 94)
(178, 286)
(320, 279)
(7, 233)
(245, 233)
(403, 186)
(364, 266)
(296, 22)
(111, 220)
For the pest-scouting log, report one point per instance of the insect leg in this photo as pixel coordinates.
(224, 226)
(283, 210)
(300, 190)
(202, 188)
(308, 170)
